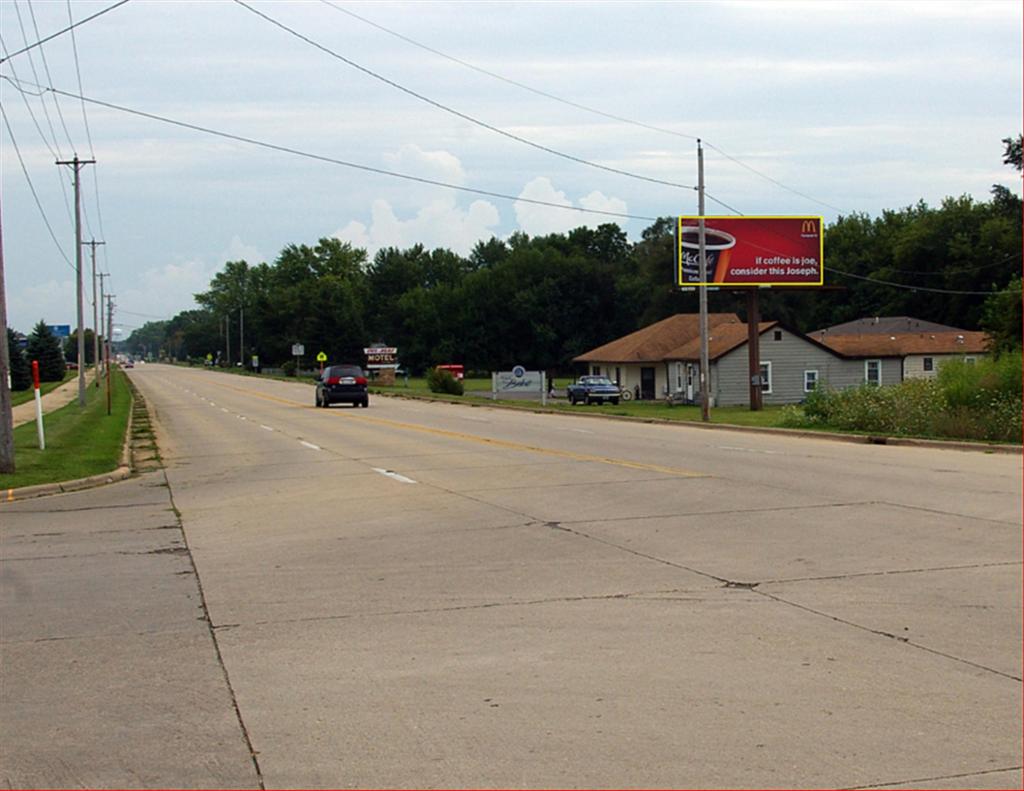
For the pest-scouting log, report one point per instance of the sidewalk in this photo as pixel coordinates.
(55, 399)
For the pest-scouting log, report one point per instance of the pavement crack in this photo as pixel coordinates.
(917, 782)
(204, 607)
(924, 570)
(881, 633)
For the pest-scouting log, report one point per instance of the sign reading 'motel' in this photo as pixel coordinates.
(751, 251)
(381, 357)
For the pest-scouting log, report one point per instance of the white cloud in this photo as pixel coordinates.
(439, 223)
(542, 220)
(237, 250)
(437, 165)
(52, 301)
(165, 291)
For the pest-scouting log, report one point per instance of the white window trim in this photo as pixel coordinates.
(925, 364)
(866, 379)
(810, 371)
(769, 390)
(970, 359)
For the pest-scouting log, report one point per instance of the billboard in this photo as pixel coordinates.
(60, 330)
(751, 251)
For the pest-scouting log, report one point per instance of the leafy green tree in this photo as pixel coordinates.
(44, 346)
(21, 373)
(150, 338)
(71, 347)
(1002, 317)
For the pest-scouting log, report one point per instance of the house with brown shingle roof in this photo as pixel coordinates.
(664, 358)
(901, 347)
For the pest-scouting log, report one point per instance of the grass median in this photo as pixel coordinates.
(80, 441)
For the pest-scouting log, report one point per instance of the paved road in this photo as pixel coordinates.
(423, 595)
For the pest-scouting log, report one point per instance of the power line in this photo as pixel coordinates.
(49, 80)
(85, 122)
(899, 285)
(455, 112)
(577, 105)
(330, 160)
(65, 30)
(504, 79)
(32, 188)
(920, 288)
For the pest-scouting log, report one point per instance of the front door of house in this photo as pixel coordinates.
(647, 384)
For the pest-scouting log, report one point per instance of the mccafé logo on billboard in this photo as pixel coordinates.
(751, 251)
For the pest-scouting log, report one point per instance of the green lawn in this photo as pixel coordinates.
(24, 396)
(769, 416)
(80, 441)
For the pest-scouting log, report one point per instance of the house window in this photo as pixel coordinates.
(810, 380)
(929, 364)
(970, 360)
(679, 376)
(595, 370)
(873, 372)
(766, 378)
(618, 376)
(777, 335)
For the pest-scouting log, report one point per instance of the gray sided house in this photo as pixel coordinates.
(663, 359)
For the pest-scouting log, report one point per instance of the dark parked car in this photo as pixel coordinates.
(342, 384)
(593, 390)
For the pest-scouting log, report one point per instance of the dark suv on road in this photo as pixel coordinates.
(342, 384)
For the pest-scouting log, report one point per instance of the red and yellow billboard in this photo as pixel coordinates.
(751, 251)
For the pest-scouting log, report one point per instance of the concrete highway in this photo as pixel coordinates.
(431, 595)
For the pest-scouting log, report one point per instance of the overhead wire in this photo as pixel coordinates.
(323, 158)
(453, 111)
(46, 142)
(904, 286)
(85, 122)
(79, 23)
(32, 189)
(577, 105)
(49, 77)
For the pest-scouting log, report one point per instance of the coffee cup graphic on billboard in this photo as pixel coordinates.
(751, 251)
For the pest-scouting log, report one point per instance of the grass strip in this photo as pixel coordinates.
(80, 441)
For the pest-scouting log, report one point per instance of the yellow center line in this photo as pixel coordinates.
(497, 443)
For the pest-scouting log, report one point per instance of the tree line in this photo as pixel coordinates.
(542, 300)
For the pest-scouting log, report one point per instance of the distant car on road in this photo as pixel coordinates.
(593, 390)
(342, 384)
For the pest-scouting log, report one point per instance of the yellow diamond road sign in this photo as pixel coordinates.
(321, 357)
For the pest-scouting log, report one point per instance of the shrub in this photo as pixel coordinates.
(443, 382)
(966, 402)
(288, 368)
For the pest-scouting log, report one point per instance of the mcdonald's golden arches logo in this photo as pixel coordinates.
(808, 226)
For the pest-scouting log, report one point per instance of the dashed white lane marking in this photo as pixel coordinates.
(393, 475)
(266, 428)
(241, 417)
(581, 431)
(222, 409)
(476, 419)
(309, 444)
(747, 450)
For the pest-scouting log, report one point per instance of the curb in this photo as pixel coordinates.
(123, 471)
(856, 439)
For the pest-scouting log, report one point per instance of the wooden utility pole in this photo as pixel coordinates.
(110, 332)
(95, 314)
(76, 165)
(6, 416)
(705, 373)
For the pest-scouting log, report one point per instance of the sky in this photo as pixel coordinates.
(804, 108)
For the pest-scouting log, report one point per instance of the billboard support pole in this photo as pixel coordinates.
(705, 378)
(754, 348)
